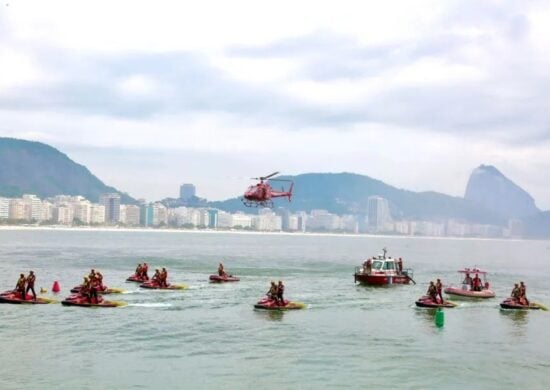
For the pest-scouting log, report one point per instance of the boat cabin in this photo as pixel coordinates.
(383, 269)
(468, 279)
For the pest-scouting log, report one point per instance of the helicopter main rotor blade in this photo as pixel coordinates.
(268, 176)
(265, 177)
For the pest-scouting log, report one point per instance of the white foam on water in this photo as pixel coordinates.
(154, 304)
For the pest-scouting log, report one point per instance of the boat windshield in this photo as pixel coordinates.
(390, 265)
(377, 264)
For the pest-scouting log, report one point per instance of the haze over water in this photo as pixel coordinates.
(209, 336)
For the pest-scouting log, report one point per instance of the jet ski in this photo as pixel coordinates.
(223, 279)
(271, 304)
(106, 290)
(155, 286)
(15, 297)
(426, 301)
(137, 279)
(82, 301)
(510, 303)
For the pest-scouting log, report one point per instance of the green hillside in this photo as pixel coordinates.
(35, 168)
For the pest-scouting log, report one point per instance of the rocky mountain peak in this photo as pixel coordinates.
(488, 187)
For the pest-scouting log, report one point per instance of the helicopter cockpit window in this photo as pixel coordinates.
(377, 265)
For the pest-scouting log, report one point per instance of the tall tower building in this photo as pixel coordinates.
(379, 212)
(212, 218)
(187, 191)
(112, 207)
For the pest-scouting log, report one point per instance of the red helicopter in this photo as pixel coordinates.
(260, 195)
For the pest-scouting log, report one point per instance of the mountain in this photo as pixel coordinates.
(36, 168)
(489, 188)
(346, 193)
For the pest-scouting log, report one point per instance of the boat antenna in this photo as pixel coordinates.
(384, 250)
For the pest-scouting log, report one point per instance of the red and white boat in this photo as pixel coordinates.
(383, 270)
(466, 288)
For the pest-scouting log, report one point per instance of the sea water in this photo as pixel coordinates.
(209, 336)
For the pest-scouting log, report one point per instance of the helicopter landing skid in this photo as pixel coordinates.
(263, 203)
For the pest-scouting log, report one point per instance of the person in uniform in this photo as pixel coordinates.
(30, 284)
(20, 286)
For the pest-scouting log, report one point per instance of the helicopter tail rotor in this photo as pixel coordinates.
(290, 191)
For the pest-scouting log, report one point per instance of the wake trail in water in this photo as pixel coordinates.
(155, 304)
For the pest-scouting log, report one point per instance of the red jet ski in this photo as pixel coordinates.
(82, 301)
(271, 304)
(137, 278)
(106, 290)
(222, 279)
(155, 286)
(15, 297)
(510, 303)
(426, 301)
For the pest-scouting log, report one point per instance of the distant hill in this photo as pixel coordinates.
(36, 168)
(343, 193)
(489, 188)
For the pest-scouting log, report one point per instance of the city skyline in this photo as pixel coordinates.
(77, 211)
(415, 94)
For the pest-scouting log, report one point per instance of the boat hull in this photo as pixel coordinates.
(462, 293)
(381, 280)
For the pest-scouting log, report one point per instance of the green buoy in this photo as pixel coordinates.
(439, 318)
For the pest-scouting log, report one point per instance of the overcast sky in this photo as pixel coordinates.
(149, 95)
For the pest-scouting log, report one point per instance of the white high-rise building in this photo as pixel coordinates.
(46, 211)
(129, 214)
(225, 219)
(97, 213)
(379, 213)
(293, 222)
(160, 214)
(4, 208)
(204, 218)
(18, 209)
(323, 220)
(267, 221)
(83, 210)
(33, 207)
(181, 216)
(241, 220)
(64, 214)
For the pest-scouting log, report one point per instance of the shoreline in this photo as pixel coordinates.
(114, 229)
